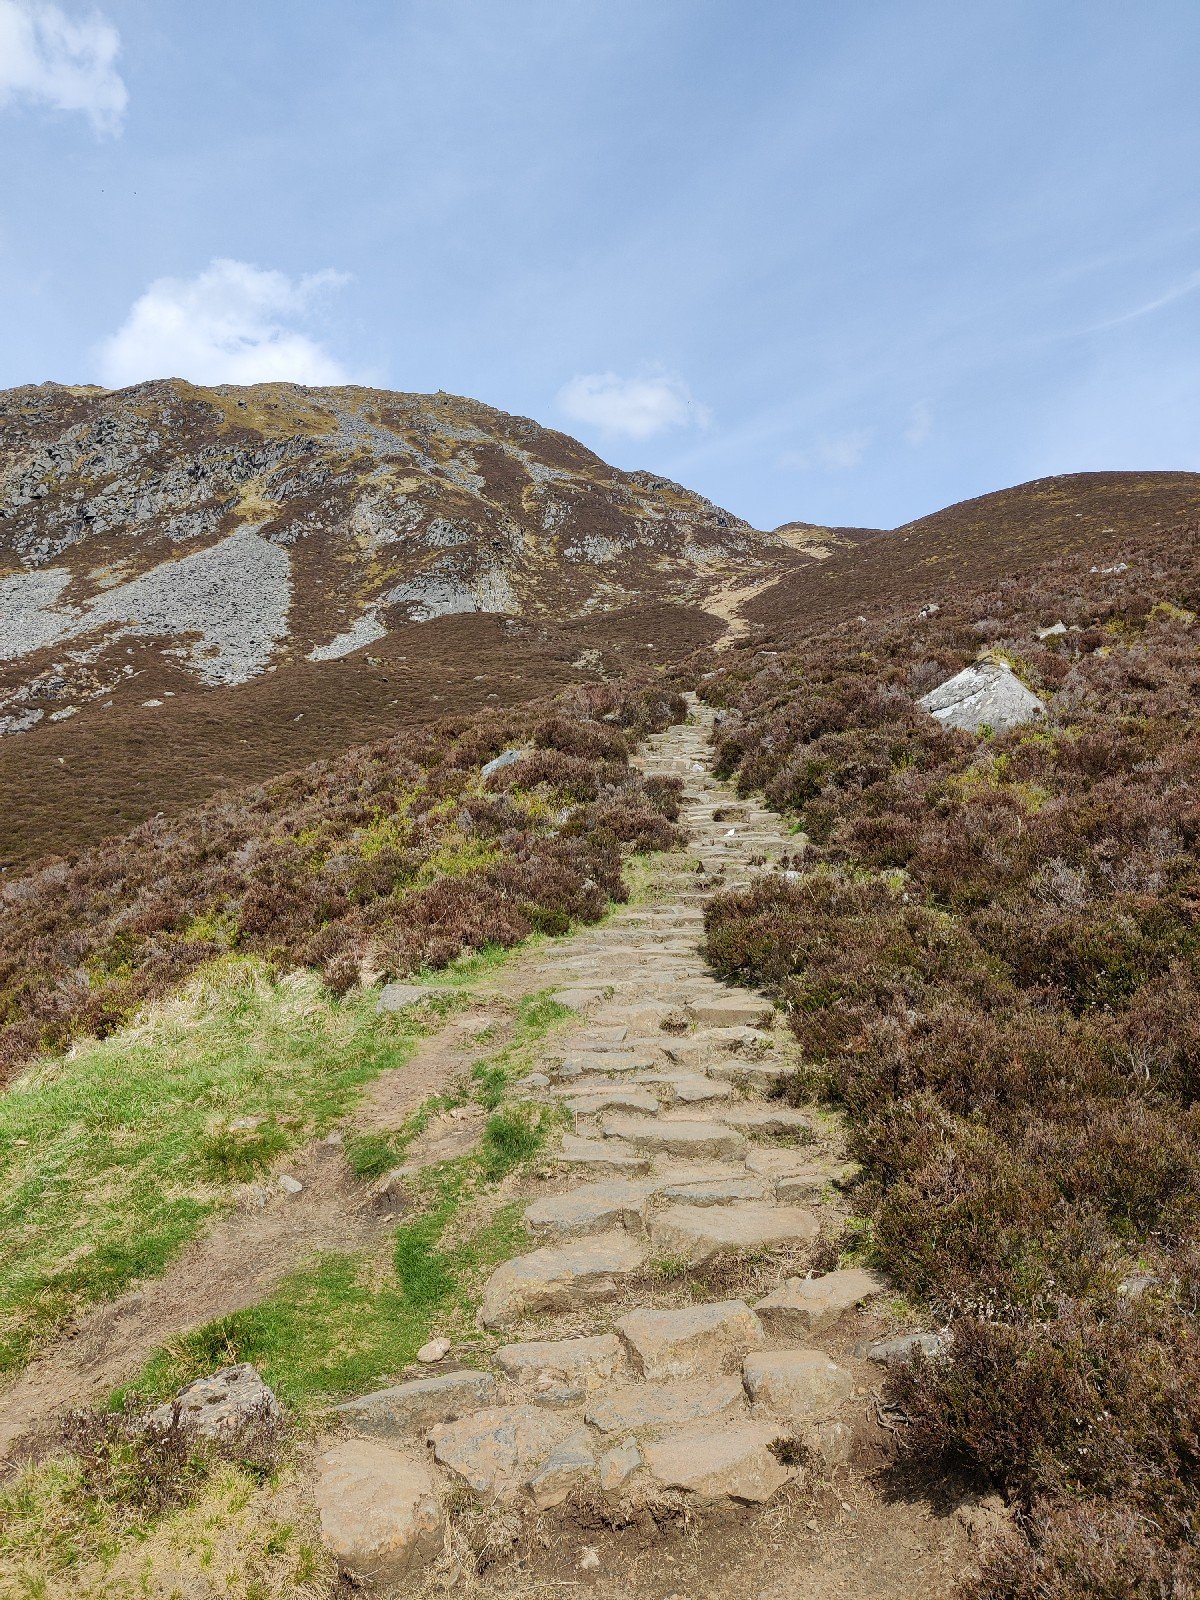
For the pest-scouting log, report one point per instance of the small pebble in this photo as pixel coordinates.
(333, 1140)
(590, 1559)
(290, 1185)
(435, 1350)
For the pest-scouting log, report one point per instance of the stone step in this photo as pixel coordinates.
(700, 1233)
(590, 1102)
(591, 1208)
(680, 1138)
(735, 1461)
(640, 1408)
(497, 1450)
(697, 1341)
(559, 1370)
(809, 1305)
(795, 1385)
(686, 1088)
(560, 1278)
(408, 1409)
(603, 1155)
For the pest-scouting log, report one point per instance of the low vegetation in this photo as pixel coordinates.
(395, 857)
(990, 952)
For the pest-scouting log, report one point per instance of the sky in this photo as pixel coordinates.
(836, 263)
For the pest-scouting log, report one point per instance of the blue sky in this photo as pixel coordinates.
(840, 263)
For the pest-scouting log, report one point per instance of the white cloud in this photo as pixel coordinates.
(920, 424)
(636, 408)
(47, 57)
(832, 453)
(229, 324)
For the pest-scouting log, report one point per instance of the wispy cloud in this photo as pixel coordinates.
(51, 59)
(1177, 291)
(837, 452)
(633, 408)
(229, 324)
(920, 424)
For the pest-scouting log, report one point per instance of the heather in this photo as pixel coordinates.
(989, 949)
(396, 857)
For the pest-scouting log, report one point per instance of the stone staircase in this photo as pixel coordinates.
(664, 1343)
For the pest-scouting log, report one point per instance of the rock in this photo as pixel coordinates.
(587, 1362)
(576, 998)
(749, 1074)
(698, 1233)
(697, 1340)
(1053, 631)
(435, 1350)
(612, 1155)
(220, 1405)
(730, 1011)
(570, 1465)
(716, 1191)
(766, 1120)
(506, 758)
(534, 1080)
(988, 694)
(831, 1440)
(591, 1102)
(559, 1278)
(806, 1305)
(379, 1511)
(654, 1135)
(618, 1464)
(902, 1347)
(796, 1385)
(642, 1406)
(592, 1208)
(399, 996)
(289, 1185)
(733, 1462)
(621, 1062)
(494, 1450)
(411, 1408)
(686, 1090)
(785, 1161)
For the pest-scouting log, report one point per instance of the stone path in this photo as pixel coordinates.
(660, 1343)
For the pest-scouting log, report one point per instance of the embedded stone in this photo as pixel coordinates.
(986, 694)
(799, 1385)
(730, 1011)
(644, 1406)
(750, 1074)
(494, 1450)
(731, 1462)
(411, 1408)
(570, 1465)
(379, 1511)
(610, 1155)
(592, 1208)
(576, 999)
(698, 1233)
(618, 1464)
(766, 1119)
(219, 1405)
(590, 1103)
(903, 1347)
(716, 1191)
(399, 996)
(686, 1090)
(658, 1136)
(560, 1277)
(586, 1362)
(691, 1342)
(806, 1305)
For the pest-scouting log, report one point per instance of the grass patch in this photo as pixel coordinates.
(124, 1147)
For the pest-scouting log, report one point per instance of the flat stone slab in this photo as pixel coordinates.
(577, 998)
(796, 1385)
(730, 1462)
(571, 1465)
(698, 1233)
(581, 1062)
(591, 1208)
(688, 1090)
(399, 996)
(587, 1362)
(730, 1011)
(716, 1191)
(766, 1119)
(806, 1305)
(786, 1161)
(610, 1155)
(591, 1102)
(691, 1342)
(379, 1511)
(749, 1074)
(560, 1277)
(411, 1408)
(681, 1138)
(495, 1450)
(641, 1407)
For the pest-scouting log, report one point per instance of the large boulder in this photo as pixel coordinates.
(988, 694)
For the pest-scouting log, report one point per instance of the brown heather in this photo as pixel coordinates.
(394, 857)
(991, 956)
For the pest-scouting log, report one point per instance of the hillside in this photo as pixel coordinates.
(204, 587)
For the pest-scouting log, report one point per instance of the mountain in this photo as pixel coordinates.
(203, 587)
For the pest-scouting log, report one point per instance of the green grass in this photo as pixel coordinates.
(114, 1155)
